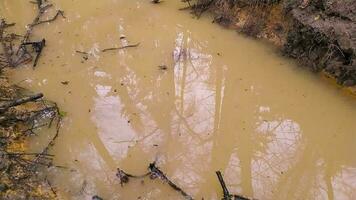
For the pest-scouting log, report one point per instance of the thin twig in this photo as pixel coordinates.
(123, 47)
(59, 12)
(227, 195)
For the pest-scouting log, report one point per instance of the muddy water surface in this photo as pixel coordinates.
(219, 101)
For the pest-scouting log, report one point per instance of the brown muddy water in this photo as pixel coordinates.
(224, 102)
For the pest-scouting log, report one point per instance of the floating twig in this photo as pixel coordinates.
(82, 52)
(123, 47)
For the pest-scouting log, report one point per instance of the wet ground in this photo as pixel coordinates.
(192, 96)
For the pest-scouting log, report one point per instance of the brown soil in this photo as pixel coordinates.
(320, 34)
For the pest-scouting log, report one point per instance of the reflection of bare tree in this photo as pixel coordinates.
(208, 119)
(229, 135)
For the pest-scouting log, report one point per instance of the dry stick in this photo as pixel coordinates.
(118, 48)
(19, 101)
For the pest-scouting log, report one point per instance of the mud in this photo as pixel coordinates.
(320, 34)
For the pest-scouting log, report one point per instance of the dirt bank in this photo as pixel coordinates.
(320, 34)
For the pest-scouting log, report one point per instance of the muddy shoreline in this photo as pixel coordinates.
(319, 34)
(23, 114)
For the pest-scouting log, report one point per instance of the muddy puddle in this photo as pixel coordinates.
(191, 96)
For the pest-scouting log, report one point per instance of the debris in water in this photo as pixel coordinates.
(4, 107)
(123, 47)
(227, 195)
(156, 1)
(163, 67)
(96, 197)
(37, 47)
(16, 55)
(154, 172)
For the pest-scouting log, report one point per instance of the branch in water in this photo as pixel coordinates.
(154, 172)
(118, 48)
(20, 101)
(59, 12)
(227, 195)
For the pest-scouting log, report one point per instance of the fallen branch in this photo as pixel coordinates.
(59, 12)
(19, 101)
(123, 47)
(154, 172)
(41, 10)
(82, 52)
(38, 47)
(227, 195)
